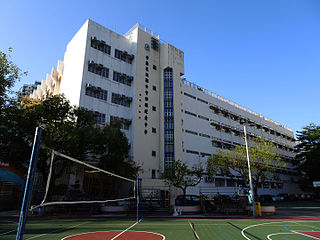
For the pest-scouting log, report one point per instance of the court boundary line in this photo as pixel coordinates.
(126, 230)
(305, 234)
(44, 234)
(114, 231)
(194, 231)
(274, 234)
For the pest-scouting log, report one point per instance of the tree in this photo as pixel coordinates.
(263, 162)
(180, 176)
(9, 74)
(67, 129)
(308, 155)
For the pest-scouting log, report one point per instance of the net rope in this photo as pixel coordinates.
(93, 170)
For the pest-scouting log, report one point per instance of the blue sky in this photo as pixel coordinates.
(264, 55)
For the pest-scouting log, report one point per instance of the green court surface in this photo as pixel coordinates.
(171, 229)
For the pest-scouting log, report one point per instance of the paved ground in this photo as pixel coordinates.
(298, 209)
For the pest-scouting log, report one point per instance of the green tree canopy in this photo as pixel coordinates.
(263, 162)
(9, 74)
(67, 129)
(308, 155)
(180, 176)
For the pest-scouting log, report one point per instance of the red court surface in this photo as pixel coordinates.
(314, 234)
(128, 235)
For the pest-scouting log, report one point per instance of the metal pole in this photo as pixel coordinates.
(137, 183)
(249, 170)
(29, 182)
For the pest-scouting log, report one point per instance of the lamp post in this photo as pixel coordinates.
(249, 172)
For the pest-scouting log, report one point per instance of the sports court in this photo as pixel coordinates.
(164, 228)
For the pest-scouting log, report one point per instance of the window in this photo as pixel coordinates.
(147, 80)
(121, 99)
(147, 63)
(154, 130)
(204, 135)
(145, 131)
(201, 100)
(146, 118)
(190, 113)
(147, 57)
(154, 88)
(117, 53)
(189, 95)
(191, 132)
(154, 108)
(122, 78)
(98, 69)
(146, 86)
(100, 45)
(147, 69)
(153, 153)
(220, 182)
(153, 174)
(147, 75)
(125, 123)
(154, 67)
(192, 152)
(96, 92)
(202, 117)
(146, 98)
(123, 55)
(100, 117)
(155, 44)
(146, 104)
(146, 111)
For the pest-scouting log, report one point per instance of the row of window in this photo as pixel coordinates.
(234, 131)
(105, 48)
(223, 182)
(100, 45)
(123, 55)
(96, 92)
(125, 123)
(121, 99)
(122, 78)
(225, 113)
(98, 69)
(100, 117)
(222, 112)
(219, 143)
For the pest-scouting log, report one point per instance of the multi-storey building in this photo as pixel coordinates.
(137, 78)
(27, 89)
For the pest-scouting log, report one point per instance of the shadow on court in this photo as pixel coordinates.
(252, 235)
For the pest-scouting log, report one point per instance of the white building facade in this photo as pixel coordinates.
(137, 78)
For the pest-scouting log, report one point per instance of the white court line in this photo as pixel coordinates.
(7, 232)
(261, 224)
(10, 230)
(41, 235)
(273, 234)
(256, 225)
(163, 237)
(305, 234)
(125, 230)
